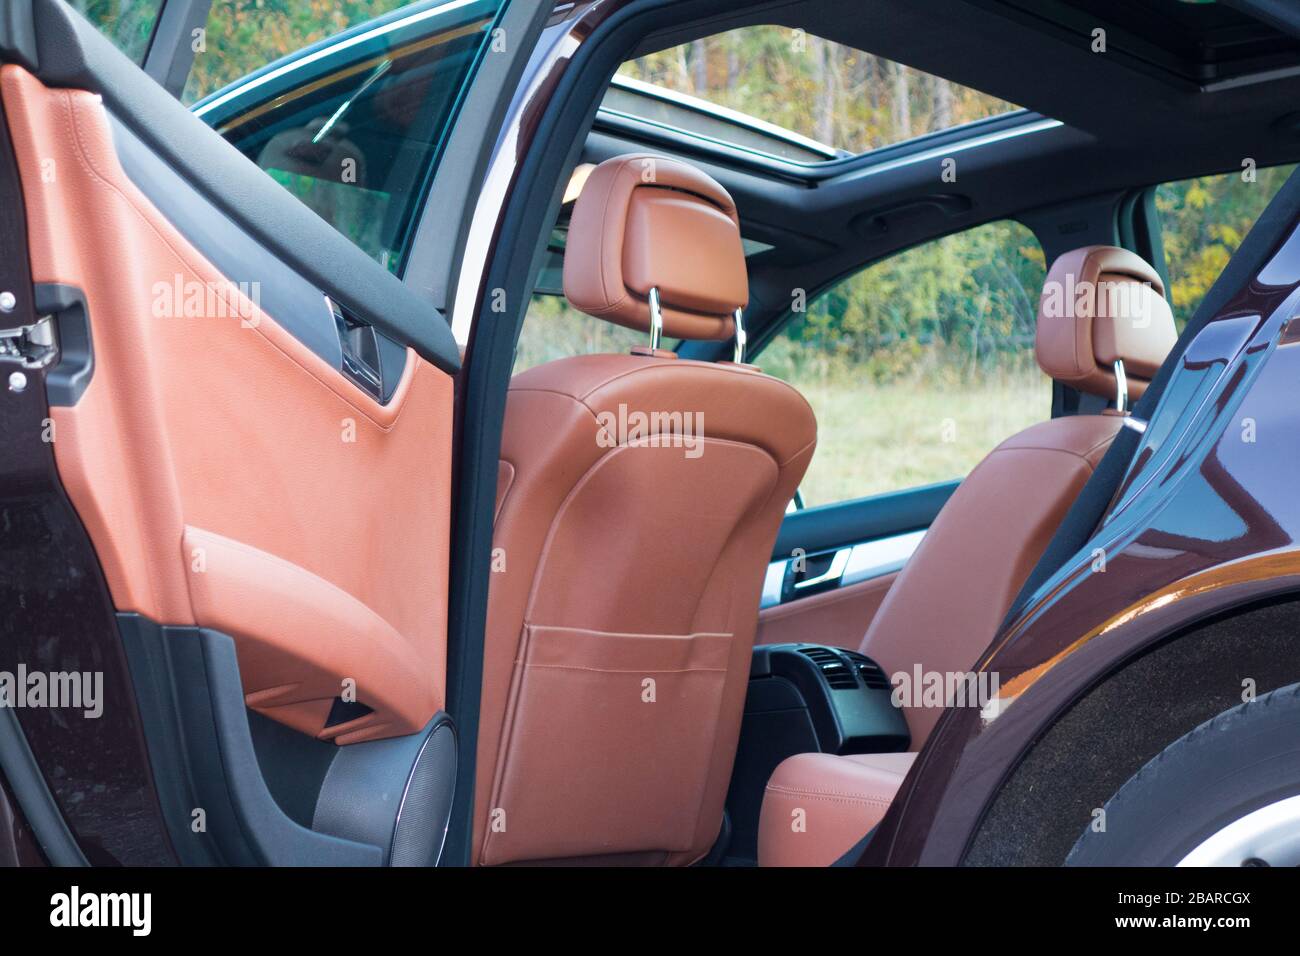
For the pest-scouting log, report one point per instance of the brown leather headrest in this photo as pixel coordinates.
(643, 222)
(1099, 304)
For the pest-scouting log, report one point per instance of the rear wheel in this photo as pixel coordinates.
(1226, 794)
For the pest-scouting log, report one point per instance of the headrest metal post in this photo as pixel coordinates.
(1121, 388)
(656, 318)
(742, 339)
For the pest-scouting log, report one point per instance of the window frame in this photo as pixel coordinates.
(405, 26)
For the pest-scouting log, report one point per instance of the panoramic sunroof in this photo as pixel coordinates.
(787, 93)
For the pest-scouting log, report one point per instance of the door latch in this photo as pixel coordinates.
(35, 345)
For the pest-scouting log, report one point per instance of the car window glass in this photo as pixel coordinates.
(553, 329)
(1202, 222)
(242, 35)
(918, 365)
(785, 92)
(353, 127)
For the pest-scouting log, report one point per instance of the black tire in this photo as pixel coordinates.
(1243, 759)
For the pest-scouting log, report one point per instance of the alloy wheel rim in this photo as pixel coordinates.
(1269, 836)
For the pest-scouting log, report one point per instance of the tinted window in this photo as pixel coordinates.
(918, 365)
(1203, 221)
(353, 127)
(243, 35)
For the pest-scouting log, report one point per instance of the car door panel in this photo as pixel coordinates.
(245, 452)
(833, 564)
(230, 491)
(838, 617)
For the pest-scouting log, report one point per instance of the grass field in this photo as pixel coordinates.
(875, 438)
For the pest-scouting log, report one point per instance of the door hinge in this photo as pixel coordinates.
(35, 345)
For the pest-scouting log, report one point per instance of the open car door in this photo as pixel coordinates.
(226, 491)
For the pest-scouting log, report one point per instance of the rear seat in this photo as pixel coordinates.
(1104, 328)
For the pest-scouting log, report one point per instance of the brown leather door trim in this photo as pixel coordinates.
(838, 618)
(296, 634)
(316, 502)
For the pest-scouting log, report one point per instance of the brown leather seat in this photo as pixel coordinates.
(639, 499)
(1102, 321)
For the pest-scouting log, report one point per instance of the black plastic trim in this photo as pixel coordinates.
(366, 793)
(191, 703)
(171, 51)
(23, 775)
(66, 380)
(437, 241)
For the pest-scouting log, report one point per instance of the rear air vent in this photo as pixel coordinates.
(872, 674)
(833, 667)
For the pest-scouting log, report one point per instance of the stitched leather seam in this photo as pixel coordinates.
(72, 124)
(830, 797)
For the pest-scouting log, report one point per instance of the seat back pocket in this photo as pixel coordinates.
(607, 744)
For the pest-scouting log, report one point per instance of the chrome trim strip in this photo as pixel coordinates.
(867, 560)
(871, 559)
(773, 581)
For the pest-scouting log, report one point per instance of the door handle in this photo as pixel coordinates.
(836, 570)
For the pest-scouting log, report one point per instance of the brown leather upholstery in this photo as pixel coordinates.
(631, 555)
(835, 617)
(991, 533)
(947, 603)
(817, 806)
(646, 221)
(952, 594)
(207, 457)
(1099, 304)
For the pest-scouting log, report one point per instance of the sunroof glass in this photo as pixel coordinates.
(774, 83)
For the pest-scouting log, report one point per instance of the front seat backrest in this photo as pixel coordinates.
(639, 499)
(1102, 321)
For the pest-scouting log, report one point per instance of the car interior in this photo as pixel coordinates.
(688, 645)
(816, 734)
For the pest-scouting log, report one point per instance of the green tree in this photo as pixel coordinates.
(1203, 221)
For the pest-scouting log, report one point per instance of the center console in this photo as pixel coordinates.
(805, 698)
